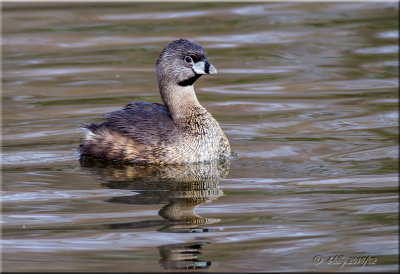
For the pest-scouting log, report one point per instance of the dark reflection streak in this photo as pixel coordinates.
(182, 256)
(180, 188)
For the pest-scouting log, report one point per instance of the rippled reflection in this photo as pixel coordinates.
(181, 188)
(182, 256)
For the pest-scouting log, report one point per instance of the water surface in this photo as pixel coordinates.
(307, 94)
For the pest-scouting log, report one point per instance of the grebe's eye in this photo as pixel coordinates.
(188, 59)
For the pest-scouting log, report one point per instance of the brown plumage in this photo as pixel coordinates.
(181, 131)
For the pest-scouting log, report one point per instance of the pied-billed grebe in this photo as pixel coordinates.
(181, 131)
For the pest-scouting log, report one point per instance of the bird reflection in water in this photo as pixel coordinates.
(181, 188)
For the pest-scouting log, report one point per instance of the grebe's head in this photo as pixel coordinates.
(182, 62)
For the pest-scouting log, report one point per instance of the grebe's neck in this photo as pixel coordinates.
(181, 101)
